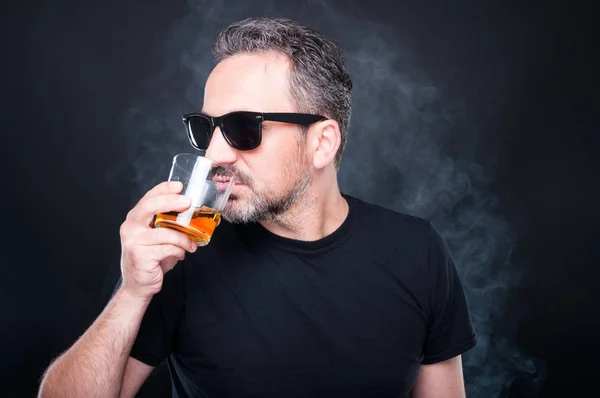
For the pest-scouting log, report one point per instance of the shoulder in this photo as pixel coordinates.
(400, 237)
(379, 219)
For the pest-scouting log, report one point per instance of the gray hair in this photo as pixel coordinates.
(319, 80)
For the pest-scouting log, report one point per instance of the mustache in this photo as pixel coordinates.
(240, 176)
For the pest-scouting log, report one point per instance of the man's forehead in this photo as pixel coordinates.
(248, 81)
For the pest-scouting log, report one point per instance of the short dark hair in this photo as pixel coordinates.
(319, 80)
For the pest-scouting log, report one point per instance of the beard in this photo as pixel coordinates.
(267, 204)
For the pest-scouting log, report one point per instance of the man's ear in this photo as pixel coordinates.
(323, 141)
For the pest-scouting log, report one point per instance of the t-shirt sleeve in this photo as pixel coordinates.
(154, 341)
(450, 330)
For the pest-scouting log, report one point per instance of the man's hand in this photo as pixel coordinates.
(148, 253)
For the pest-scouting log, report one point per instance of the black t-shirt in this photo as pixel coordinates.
(353, 314)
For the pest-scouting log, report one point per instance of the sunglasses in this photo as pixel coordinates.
(242, 130)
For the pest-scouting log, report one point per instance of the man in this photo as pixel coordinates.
(303, 291)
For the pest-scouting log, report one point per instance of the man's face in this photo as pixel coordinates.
(275, 175)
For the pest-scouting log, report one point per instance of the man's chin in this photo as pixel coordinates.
(235, 211)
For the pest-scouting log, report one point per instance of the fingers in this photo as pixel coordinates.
(146, 208)
(167, 237)
(165, 187)
(161, 252)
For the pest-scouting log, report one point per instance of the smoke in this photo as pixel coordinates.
(413, 147)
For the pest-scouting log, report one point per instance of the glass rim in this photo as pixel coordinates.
(195, 156)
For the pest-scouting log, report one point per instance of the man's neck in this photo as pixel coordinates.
(319, 213)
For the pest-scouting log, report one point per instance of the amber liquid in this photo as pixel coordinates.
(201, 227)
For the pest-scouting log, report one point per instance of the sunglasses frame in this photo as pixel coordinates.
(302, 119)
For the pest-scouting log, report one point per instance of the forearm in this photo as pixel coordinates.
(442, 379)
(95, 364)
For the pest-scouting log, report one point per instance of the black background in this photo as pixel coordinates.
(72, 70)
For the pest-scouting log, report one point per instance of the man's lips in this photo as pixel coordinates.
(223, 183)
(226, 181)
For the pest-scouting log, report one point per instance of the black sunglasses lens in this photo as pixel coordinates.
(242, 130)
(200, 131)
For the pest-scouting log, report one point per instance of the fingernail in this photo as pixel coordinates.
(194, 247)
(184, 200)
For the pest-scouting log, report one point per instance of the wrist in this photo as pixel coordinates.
(133, 298)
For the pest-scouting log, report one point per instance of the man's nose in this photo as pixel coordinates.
(220, 151)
